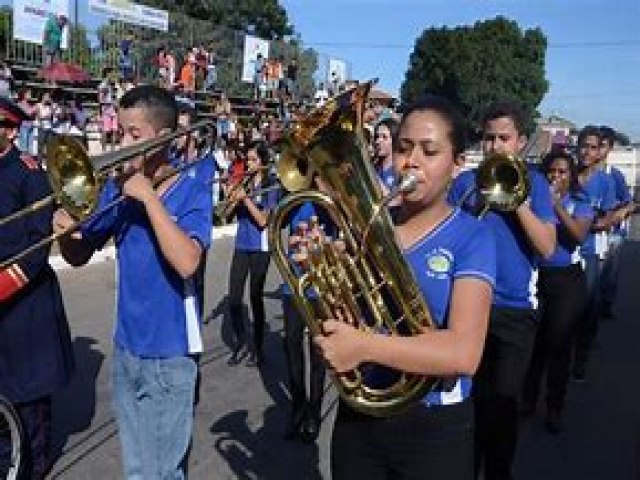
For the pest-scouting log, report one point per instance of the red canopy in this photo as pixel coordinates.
(64, 72)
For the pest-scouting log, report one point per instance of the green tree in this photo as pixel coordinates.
(265, 18)
(476, 65)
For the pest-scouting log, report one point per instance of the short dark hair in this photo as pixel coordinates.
(160, 105)
(390, 123)
(588, 131)
(261, 149)
(609, 134)
(559, 153)
(509, 109)
(448, 111)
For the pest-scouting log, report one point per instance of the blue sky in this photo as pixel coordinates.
(593, 57)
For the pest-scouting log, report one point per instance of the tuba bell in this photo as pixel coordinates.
(368, 277)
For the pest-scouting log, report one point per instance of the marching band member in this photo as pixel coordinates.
(619, 230)
(251, 255)
(383, 134)
(36, 356)
(521, 237)
(305, 414)
(562, 290)
(599, 188)
(452, 256)
(160, 235)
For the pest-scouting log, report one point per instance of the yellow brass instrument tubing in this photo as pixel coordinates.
(53, 237)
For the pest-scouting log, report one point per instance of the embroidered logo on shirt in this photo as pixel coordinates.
(439, 263)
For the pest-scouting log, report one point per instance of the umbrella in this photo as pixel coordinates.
(64, 72)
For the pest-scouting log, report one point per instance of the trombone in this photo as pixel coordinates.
(77, 180)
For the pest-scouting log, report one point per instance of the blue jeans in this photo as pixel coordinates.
(153, 402)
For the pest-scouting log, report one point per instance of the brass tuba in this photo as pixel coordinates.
(368, 277)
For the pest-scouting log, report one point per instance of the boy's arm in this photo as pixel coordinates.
(181, 251)
(75, 250)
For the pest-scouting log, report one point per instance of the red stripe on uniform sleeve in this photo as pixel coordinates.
(10, 282)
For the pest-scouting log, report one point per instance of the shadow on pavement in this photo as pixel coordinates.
(73, 408)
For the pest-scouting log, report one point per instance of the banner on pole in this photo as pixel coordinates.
(30, 17)
(252, 47)
(133, 13)
(336, 73)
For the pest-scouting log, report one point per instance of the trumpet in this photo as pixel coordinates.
(77, 180)
(225, 208)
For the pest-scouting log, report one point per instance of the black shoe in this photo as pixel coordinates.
(255, 359)
(309, 430)
(236, 357)
(553, 422)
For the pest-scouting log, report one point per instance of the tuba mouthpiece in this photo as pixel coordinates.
(407, 183)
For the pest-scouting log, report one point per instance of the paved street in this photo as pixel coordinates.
(242, 411)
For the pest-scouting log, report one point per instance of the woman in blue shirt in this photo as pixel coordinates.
(251, 255)
(452, 256)
(562, 290)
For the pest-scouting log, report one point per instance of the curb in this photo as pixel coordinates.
(109, 253)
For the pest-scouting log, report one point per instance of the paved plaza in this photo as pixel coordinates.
(242, 411)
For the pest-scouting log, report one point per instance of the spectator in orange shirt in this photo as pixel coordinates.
(188, 75)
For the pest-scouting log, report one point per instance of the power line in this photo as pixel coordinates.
(397, 46)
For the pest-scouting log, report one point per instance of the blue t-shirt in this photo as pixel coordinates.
(567, 249)
(204, 169)
(250, 237)
(303, 214)
(157, 310)
(600, 192)
(461, 246)
(621, 193)
(515, 278)
(387, 176)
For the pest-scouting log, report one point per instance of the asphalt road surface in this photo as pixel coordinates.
(242, 411)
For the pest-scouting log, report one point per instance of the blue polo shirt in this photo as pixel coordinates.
(516, 270)
(460, 247)
(204, 169)
(621, 193)
(156, 310)
(600, 193)
(249, 236)
(303, 214)
(567, 249)
(387, 176)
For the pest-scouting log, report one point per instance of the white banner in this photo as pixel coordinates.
(133, 13)
(252, 47)
(337, 72)
(30, 16)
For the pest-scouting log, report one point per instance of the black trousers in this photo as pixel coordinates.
(497, 387)
(35, 417)
(563, 293)
(301, 405)
(253, 265)
(434, 443)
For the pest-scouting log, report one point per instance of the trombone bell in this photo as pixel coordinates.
(72, 176)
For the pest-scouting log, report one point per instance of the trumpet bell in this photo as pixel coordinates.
(72, 176)
(503, 182)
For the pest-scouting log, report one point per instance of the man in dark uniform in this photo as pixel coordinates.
(36, 356)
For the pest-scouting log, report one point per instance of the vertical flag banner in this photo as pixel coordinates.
(252, 46)
(339, 67)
